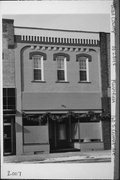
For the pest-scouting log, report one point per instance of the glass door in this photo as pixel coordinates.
(8, 129)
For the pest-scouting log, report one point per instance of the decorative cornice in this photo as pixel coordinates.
(61, 54)
(84, 55)
(61, 49)
(56, 40)
(31, 54)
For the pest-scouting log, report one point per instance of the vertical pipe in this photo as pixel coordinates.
(55, 134)
(65, 68)
(70, 128)
(79, 130)
(87, 69)
(48, 132)
(12, 135)
(42, 67)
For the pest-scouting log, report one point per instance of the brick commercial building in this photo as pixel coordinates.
(55, 88)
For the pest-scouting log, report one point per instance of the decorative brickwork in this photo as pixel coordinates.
(84, 55)
(55, 40)
(37, 53)
(61, 54)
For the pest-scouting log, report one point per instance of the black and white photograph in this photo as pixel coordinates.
(58, 116)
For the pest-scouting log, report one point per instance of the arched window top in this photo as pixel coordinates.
(61, 54)
(37, 53)
(82, 55)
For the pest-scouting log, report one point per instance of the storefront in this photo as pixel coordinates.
(50, 132)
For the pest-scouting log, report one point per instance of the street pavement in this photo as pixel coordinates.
(64, 157)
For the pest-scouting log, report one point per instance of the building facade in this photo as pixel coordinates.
(55, 88)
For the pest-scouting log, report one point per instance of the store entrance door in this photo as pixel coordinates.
(9, 135)
(60, 139)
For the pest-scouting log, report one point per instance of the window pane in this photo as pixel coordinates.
(60, 75)
(11, 107)
(83, 76)
(37, 62)
(11, 102)
(60, 62)
(4, 101)
(82, 64)
(11, 92)
(30, 121)
(37, 74)
(4, 92)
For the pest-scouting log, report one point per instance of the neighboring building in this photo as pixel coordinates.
(55, 86)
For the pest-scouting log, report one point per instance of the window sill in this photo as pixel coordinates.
(84, 82)
(38, 81)
(62, 81)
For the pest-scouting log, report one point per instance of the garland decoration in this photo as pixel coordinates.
(60, 118)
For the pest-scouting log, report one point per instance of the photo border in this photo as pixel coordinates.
(116, 122)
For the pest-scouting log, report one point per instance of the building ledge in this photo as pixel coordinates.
(62, 82)
(87, 82)
(38, 81)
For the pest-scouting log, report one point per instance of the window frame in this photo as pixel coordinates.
(63, 69)
(89, 59)
(41, 67)
(86, 70)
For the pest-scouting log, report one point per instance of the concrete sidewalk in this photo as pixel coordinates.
(66, 157)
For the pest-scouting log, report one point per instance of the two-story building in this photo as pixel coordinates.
(57, 83)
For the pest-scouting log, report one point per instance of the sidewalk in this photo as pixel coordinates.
(66, 157)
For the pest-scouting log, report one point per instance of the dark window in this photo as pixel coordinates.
(83, 76)
(37, 74)
(60, 75)
(34, 120)
(30, 121)
(11, 92)
(9, 98)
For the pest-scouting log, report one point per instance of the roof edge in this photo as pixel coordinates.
(50, 29)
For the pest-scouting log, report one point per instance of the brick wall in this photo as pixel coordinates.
(105, 69)
(8, 54)
(50, 75)
(106, 128)
(105, 80)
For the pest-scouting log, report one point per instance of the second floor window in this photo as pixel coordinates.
(83, 69)
(38, 71)
(61, 68)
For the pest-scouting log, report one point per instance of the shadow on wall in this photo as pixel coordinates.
(18, 127)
